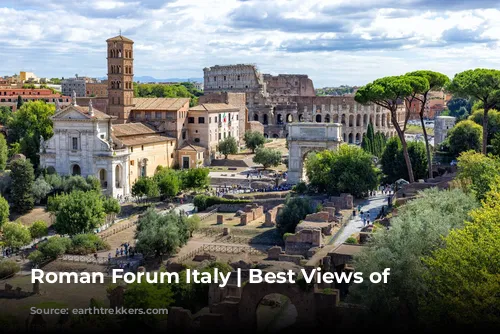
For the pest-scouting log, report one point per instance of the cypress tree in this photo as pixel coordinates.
(19, 102)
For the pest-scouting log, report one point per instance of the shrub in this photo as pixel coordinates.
(55, 247)
(300, 187)
(36, 257)
(82, 244)
(8, 267)
(38, 229)
(351, 240)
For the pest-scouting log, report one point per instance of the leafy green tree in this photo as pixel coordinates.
(228, 146)
(168, 181)
(145, 186)
(482, 85)
(161, 234)
(30, 123)
(38, 229)
(195, 178)
(415, 232)
(480, 170)
(465, 273)
(79, 212)
(111, 208)
(36, 257)
(4, 211)
(15, 234)
(19, 102)
(437, 81)
(349, 169)
(4, 150)
(465, 136)
(75, 182)
(459, 108)
(5, 115)
(388, 93)
(495, 143)
(392, 160)
(41, 189)
(145, 296)
(23, 177)
(54, 247)
(268, 157)
(193, 223)
(7, 268)
(493, 121)
(254, 139)
(295, 210)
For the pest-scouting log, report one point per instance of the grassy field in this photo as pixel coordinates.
(416, 129)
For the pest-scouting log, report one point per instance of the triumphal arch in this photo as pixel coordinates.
(306, 137)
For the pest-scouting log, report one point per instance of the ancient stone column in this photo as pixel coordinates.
(220, 219)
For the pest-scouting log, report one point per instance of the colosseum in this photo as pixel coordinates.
(286, 98)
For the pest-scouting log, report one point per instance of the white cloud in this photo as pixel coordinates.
(334, 42)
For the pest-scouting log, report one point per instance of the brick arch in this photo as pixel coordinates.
(253, 294)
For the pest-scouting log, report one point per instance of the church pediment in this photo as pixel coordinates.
(70, 112)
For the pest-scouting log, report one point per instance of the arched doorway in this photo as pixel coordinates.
(289, 118)
(358, 138)
(264, 119)
(76, 170)
(350, 138)
(275, 136)
(265, 135)
(318, 118)
(279, 119)
(358, 120)
(351, 120)
(327, 118)
(255, 117)
(103, 178)
(275, 312)
(118, 176)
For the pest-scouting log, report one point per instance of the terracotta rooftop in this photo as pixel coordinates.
(191, 147)
(213, 107)
(159, 103)
(141, 140)
(119, 38)
(132, 129)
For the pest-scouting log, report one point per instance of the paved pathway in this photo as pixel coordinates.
(372, 205)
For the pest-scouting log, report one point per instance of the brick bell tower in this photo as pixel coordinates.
(120, 77)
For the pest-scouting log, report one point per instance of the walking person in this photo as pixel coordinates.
(117, 253)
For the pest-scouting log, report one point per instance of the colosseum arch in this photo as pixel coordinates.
(343, 119)
(350, 138)
(388, 119)
(301, 118)
(265, 119)
(383, 120)
(289, 118)
(318, 118)
(371, 119)
(327, 118)
(358, 120)
(279, 119)
(351, 120)
(365, 120)
(377, 120)
(335, 118)
(256, 117)
(358, 138)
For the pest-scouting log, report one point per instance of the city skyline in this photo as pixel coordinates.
(334, 42)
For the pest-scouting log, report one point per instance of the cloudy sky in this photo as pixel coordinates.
(333, 41)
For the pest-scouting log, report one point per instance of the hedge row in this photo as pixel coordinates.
(203, 201)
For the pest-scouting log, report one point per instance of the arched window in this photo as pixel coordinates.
(279, 119)
(327, 119)
(289, 118)
(255, 117)
(118, 176)
(103, 178)
(75, 170)
(301, 118)
(318, 118)
(343, 120)
(264, 119)
(350, 138)
(358, 120)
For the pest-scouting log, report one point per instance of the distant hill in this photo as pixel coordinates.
(151, 79)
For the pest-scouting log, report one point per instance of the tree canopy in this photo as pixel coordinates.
(23, 177)
(295, 210)
(228, 146)
(30, 123)
(481, 84)
(346, 170)
(268, 157)
(480, 170)
(161, 234)
(373, 143)
(392, 160)
(464, 136)
(254, 139)
(15, 234)
(4, 211)
(493, 121)
(415, 231)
